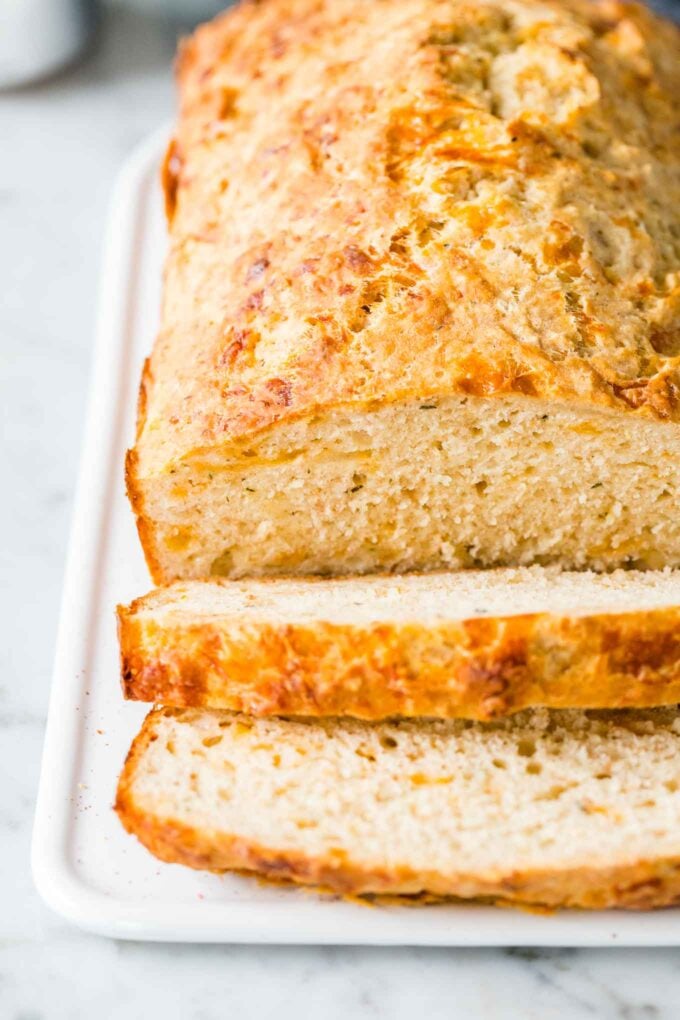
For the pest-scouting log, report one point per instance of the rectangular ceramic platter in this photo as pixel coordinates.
(85, 866)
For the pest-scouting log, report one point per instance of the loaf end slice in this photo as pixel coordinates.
(474, 644)
(563, 809)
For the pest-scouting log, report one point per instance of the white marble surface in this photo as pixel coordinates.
(61, 144)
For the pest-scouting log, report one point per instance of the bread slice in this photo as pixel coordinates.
(476, 644)
(421, 299)
(559, 809)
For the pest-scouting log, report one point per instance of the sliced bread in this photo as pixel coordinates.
(475, 644)
(560, 809)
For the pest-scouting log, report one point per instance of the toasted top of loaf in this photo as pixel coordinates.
(417, 197)
(557, 808)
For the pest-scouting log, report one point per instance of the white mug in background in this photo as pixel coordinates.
(37, 37)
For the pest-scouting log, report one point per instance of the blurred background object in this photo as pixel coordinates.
(188, 12)
(40, 37)
(37, 37)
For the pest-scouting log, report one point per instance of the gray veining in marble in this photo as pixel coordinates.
(61, 144)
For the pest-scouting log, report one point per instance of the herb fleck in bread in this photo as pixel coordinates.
(560, 809)
(475, 644)
(422, 299)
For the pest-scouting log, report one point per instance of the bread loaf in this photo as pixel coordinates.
(475, 644)
(558, 809)
(422, 300)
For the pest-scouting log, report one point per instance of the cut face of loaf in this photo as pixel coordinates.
(455, 482)
(421, 299)
(474, 644)
(560, 809)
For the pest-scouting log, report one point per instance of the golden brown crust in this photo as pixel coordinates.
(145, 528)
(415, 198)
(480, 668)
(640, 885)
(171, 169)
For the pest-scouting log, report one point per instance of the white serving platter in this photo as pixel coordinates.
(84, 865)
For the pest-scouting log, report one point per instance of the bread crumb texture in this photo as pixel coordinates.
(381, 211)
(560, 809)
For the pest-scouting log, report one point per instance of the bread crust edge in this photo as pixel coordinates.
(481, 668)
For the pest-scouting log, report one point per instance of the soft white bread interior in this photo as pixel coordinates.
(470, 482)
(473, 644)
(561, 809)
(426, 598)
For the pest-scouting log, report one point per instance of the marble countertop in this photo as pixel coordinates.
(62, 142)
